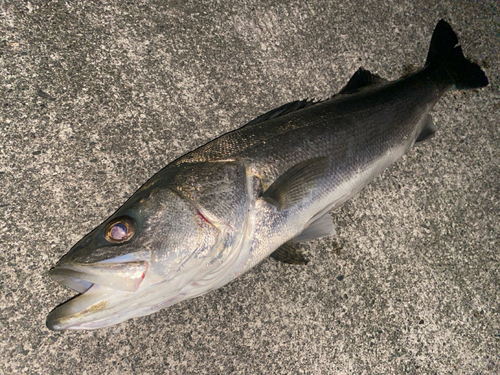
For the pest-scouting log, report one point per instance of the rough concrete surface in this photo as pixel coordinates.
(96, 96)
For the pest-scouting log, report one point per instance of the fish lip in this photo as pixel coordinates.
(88, 310)
(59, 320)
(100, 287)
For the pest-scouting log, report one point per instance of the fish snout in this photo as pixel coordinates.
(124, 276)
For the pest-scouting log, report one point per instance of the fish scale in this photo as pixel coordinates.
(215, 213)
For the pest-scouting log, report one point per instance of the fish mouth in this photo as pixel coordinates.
(102, 286)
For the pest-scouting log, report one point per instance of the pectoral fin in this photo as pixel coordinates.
(289, 253)
(296, 183)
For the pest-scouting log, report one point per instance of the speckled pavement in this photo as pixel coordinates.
(97, 96)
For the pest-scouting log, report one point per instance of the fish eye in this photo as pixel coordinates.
(120, 230)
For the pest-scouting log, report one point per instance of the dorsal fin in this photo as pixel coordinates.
(360, 79)
(283, 110)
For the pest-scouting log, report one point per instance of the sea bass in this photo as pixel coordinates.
(218, 211)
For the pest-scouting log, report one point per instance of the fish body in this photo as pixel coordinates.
(216, 212)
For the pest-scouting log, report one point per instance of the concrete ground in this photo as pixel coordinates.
(98, 96)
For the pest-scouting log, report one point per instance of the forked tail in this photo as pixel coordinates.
(444, 53)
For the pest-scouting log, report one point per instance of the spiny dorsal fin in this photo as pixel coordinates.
(289, 253)
(296, 183)
(360, 79)
(283, 110)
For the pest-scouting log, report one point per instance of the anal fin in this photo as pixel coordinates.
(428, 130)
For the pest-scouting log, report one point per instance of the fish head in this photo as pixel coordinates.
(141, 259)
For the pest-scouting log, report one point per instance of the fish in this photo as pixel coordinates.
(213, 214)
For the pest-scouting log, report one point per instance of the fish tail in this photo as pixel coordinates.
(445, 55)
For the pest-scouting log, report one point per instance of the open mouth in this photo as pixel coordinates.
(101, 285)
(118, 289)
